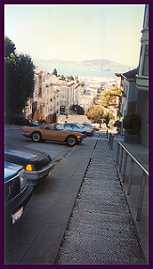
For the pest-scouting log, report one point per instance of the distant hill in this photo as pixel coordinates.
(88, 68)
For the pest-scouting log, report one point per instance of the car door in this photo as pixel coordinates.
(52, 133)
(59, 132)
(47, 133)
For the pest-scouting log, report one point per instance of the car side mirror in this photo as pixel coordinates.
(47, 128)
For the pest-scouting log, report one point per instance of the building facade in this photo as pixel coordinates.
(142, 81)
(52, 96)
(129, 96)
(135, 85)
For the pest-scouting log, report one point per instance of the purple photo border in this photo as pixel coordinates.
(1, 128)
(2, 3)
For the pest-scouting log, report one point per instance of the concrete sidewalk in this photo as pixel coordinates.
(100, 230)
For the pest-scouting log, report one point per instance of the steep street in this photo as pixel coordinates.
(78, 216)
(76, 182)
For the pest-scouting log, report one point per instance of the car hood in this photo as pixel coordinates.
(25, 156)
(10, 170)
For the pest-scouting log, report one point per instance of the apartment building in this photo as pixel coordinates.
(51, 96)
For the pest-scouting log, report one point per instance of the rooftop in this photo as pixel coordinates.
(128, 75)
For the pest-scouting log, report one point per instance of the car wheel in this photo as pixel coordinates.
(71, 141)
(36, 137)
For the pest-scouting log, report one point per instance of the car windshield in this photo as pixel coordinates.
(72, 126)
(78, 125)
(67, 125)
(36, 122)
(87, 125)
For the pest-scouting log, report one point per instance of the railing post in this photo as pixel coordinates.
(130, 179)
(124, 167)
(140, 197)
(121, 160)
(110, 140)
(117, 153)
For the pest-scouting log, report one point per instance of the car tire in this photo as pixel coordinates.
(36, 137)
(71, 141)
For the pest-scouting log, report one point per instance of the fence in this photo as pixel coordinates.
(134, 179)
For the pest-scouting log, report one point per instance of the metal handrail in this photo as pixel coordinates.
(137, 197)
(121, 148)
(134, 159)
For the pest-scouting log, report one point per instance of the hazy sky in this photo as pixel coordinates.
(76, 32)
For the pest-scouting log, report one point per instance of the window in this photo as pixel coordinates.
(59, 127)
(67, 126)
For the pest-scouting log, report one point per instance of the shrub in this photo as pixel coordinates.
(132, 123)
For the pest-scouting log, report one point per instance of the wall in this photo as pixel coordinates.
(142, 110)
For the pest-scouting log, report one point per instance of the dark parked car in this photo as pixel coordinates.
(20, 120)
(17, 191)
(37, 165)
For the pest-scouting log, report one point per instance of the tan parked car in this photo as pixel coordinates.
(53, 132)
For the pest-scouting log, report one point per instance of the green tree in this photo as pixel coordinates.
(19, 81)
(25, 80)
(95, 113)
(105, 98)
(77, 109)
(10, 65)
(116, 91)
(9, 47)
(54, 72)
(108, 96)
(107, 118)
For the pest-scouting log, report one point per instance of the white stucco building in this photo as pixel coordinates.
(51, 96)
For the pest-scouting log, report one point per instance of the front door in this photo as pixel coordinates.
(53, 134)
